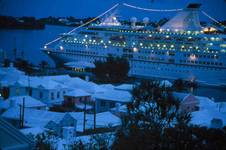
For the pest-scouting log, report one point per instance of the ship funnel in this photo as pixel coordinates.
(133, 21)
(185, 20)
(146, 21)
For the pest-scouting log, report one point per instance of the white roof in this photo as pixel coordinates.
(126, 87)
(114, 95)
(77, 93)
(80, 64)
(10, 75)
(204, 117)
(81, 106)
(39, 118)
(35, 82)
(30, 102)
(165, 83)
(77, 83)
(107, 86)
(206, 103)
(10, 70)
(33, 117)
(39, 82)
(33, 131)
(122, 108)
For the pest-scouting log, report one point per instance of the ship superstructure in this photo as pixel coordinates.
(181, 48)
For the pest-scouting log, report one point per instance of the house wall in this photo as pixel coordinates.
(189, 105)
(105, 105)
(17, 91)
(42, 94)
(70, 101)
(55, 127)
(66, 121)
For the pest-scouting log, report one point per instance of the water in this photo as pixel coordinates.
(30, 41)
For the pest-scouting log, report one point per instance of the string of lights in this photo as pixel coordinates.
(88, 22)
(155, 10)
(131, 6)
(213, 19)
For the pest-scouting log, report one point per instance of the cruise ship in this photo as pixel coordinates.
(181, 48)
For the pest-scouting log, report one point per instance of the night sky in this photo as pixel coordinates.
(86, 8)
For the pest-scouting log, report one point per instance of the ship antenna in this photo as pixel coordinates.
(148, 9)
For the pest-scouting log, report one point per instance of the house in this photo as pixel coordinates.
(120, 110)
(221, 106)
(191, 103)
(8, 76)
(17, 101)
(40, 118)
(109, 98)
(77, 83)
(77, 98)
(47, 91)
(125, 87)
(57, 126)
(209, 117)
(12, 138)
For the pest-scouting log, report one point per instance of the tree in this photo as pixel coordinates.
(44, 64)
(152, 111)
(42, 143)
(114, 69)
(6, 63)
(179, 85)
(154, 121)
(24, 65)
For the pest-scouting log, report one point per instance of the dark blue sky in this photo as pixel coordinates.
(85, 8)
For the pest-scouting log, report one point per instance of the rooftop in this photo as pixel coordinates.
(77, 93)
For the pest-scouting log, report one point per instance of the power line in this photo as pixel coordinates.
(153, 10)
(214, 20)
(88, 22)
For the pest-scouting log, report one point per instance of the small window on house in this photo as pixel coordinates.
(58, 94)
(103, 103)
(30, 92)
(40, 95)
(52, 96)
(17, 91)
(112, 104)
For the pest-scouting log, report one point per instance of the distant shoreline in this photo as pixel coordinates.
(31, 23)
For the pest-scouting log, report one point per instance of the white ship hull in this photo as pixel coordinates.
(179, 49)
(147, 69)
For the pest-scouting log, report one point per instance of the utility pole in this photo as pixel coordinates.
(94, 115)
(84, 120)
(20, 121)
(22, 124)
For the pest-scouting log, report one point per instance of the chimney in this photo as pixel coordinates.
(87, 78)
(133, 22)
